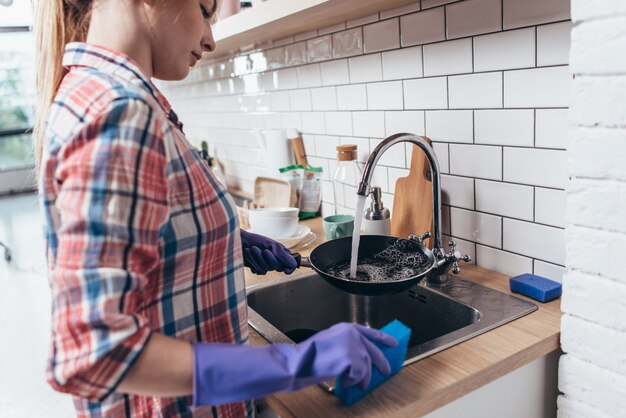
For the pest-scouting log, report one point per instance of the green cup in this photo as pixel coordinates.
(337, 226)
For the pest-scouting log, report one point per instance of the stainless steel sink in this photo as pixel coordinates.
(439, 315)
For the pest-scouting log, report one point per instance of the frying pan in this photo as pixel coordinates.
(330, 253)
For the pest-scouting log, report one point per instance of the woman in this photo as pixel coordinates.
(144, 250)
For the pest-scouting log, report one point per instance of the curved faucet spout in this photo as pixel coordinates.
(368, 171)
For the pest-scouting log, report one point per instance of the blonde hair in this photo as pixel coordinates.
(57, 23)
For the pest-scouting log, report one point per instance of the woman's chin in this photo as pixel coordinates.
(174, 74)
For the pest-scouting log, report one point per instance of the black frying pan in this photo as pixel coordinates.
(417, 259)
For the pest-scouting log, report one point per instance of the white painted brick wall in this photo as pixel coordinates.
(592, 373)
(600, 388)
(487, 80)
(594, 343)
(571, 408)
(597, 303)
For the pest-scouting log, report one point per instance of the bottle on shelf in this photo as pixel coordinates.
(376, 218)
(346, 178)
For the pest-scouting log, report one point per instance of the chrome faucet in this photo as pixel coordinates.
(443, 261)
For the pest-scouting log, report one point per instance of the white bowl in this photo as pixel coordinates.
(273, 223)
(302, 232)
(276, 212)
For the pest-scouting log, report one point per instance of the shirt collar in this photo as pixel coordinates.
(80, 54)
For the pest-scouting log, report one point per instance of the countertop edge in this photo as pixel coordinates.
(467, 385)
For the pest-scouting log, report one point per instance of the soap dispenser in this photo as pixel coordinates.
(376, 218)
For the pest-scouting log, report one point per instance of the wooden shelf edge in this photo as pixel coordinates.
(278, 19)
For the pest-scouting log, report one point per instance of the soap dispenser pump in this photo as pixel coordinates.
(376, 218)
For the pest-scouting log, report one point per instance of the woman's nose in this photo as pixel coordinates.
(208, 42)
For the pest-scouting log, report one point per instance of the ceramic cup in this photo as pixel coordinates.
(276, 223)
(338, 226)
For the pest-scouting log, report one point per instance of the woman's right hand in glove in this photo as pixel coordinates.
(225, 373)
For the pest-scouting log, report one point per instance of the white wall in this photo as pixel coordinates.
(486, 80)
(592, 373)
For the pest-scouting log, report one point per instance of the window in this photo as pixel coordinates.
(17, 98)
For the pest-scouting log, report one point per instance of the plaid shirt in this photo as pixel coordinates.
(141, 237)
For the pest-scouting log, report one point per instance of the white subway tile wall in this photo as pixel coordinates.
(457, 191)
(300, 100)
(551, 128)
(540, 87)
(402, 63)
(381, 36)
(553, 43)
(553, 271)
(452, 57)
(505, 50)
(426, 93)
(504, 199)
(550, 207)
(320, 49)
(473, 91)
(505, 127)
(348, 43)
(486, 80)
(365, 68)
(478, 161)
(502, 261)
(385, 96)
(476, 227)
(335, 72)
(369, 124)
(411, 121)
(535, 167)
(338, 123)
(450, 125)
(472, 17)
(324, 98)
(423, 27)
(352, 97)
(533, 240)
(532, 12)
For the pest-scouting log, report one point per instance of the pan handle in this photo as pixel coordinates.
(302, 261)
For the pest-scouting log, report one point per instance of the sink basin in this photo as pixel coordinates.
(439, 315)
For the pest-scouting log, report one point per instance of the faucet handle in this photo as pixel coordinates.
(421, 239)
(455, 256)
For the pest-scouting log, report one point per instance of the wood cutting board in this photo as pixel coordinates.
(413, 200)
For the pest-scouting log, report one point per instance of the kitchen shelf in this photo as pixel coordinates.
(278, 19)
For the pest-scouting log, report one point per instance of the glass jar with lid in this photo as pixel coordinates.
(346, 179)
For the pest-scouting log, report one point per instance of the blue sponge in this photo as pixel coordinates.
(395, 355)
(536, 287)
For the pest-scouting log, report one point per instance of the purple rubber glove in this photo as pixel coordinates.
(225, 373)
(263, 254)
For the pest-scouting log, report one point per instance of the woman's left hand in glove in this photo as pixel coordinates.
(263, 254)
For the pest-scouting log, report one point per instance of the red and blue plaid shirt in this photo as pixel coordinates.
(141, 237)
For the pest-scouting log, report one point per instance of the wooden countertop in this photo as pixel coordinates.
(441, 378)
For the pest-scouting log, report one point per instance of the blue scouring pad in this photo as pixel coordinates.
(395, 355)
(536, 287)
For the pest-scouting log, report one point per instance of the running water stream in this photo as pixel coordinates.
(356, 234)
